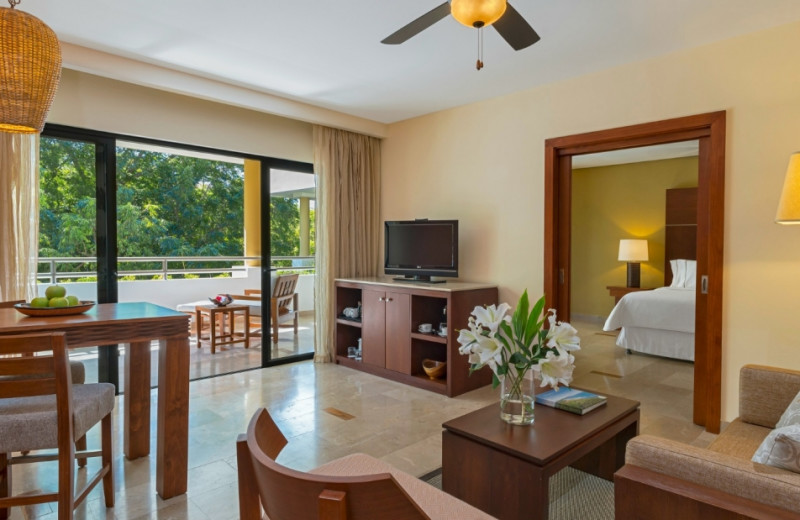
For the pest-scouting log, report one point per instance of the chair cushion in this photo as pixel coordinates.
(739, 439)
(436, 503)
(29, 423)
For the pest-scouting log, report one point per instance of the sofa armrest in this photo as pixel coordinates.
(765, 392)
(733, 475)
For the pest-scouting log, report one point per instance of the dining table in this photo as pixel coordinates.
(136, 324)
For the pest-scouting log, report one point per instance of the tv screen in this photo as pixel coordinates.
(419, 249)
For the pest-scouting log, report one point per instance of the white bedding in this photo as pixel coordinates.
(659, 322)
(666, 308)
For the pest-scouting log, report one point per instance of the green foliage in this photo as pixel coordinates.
(167, 205)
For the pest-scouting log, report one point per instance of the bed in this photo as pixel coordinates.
(661, 322)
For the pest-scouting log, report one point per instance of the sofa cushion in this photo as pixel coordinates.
(435, 503)
(739, 439)
(792, 413)
(781, 449)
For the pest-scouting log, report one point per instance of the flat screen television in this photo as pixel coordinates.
(419, 249)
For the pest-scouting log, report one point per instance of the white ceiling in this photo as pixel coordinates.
(328, 53)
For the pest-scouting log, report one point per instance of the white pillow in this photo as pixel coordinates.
(673, 264)
(792, 414)
(781, 449)
(678, 272)
(690, 282)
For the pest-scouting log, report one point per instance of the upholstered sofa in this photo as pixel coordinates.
(667, 479)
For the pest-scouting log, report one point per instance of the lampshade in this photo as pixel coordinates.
(477, 13)
(789, 205)
(30, 68)
(633, 250)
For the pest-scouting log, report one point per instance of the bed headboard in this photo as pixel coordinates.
(681, 228)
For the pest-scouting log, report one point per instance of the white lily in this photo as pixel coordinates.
(556, 368)
(562, 335)
(492, 316)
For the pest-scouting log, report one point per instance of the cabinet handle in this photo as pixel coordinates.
(380, 299)
(388, 299)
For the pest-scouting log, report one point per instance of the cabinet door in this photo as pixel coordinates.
(373, 329)
(398, 332)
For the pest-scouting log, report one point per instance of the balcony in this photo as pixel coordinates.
(171, 281)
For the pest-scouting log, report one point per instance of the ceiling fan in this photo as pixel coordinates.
(474, 13)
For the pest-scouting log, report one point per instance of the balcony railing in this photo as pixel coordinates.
(64, 269)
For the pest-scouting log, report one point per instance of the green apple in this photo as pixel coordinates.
(73, 300)
(59, 302)
(40, 302)
(55, 291)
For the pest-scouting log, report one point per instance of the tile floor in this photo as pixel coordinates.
(392, 421)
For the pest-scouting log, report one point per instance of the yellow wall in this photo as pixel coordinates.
(483, 164)
(614, 202)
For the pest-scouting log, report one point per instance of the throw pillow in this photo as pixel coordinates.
(781, 449)
(792, 413)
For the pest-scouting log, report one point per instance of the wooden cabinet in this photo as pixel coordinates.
(384, 330)
(391, 343)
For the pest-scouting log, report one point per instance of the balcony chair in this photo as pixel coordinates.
(284, 303)
(40, 409)
(354, 487)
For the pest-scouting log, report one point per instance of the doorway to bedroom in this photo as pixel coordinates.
(708, 130)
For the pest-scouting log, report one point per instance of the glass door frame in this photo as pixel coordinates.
(106, 225)
(267, 165)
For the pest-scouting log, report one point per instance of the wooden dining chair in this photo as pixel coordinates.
(77, 371)
(287, 494)
(283, 304)
(40, 409)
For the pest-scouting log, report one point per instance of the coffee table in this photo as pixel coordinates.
(504, 470)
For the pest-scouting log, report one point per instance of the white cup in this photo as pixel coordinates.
(425, 327)
(443, 330)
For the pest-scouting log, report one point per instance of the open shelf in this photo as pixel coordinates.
(434, 338)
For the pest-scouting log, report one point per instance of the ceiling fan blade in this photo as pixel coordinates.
(418, 25)
(515, 30)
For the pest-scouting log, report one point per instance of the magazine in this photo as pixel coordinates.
(571, 400)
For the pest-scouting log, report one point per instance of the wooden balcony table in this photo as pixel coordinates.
(136, 324)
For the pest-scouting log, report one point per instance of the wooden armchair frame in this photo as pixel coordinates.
(287, 494)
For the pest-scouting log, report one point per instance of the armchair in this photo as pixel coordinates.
(668, 479)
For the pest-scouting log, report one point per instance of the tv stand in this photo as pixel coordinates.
(392, 344)
(417, 279)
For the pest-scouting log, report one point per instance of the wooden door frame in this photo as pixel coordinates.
(709, 129)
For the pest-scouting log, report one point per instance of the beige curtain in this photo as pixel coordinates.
(347, 167)
(19, 215)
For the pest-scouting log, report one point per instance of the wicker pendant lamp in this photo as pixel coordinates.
(30, 68)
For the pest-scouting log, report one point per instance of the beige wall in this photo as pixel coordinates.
(483, 164)
(614, 202)
(96, 103)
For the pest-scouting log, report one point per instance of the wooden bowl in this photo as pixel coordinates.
(434, 369)
(40, 312)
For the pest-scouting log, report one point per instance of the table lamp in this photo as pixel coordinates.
(633, 252)
(789, 206)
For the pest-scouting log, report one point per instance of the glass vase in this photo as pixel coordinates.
(517, 399)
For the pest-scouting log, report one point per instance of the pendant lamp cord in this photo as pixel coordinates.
(12, 3)
(479, 64)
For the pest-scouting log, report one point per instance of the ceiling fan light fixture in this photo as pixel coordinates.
(477, 13)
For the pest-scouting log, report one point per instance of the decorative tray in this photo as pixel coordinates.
(26, 309)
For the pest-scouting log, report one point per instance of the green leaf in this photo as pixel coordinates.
(520, 317)
(495, 380)
(534, 325)
(517, 358)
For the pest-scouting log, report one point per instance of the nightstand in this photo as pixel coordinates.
(618, 292)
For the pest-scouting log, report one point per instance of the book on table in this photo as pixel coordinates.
(571, 400)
